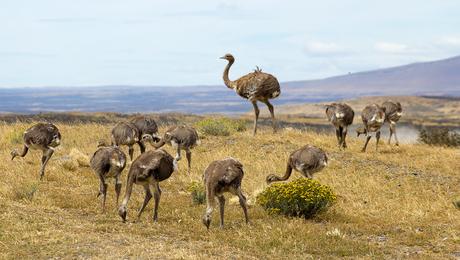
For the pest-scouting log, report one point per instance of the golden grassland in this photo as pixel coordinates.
(395, 203)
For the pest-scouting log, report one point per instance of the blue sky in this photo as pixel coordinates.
(174, 43)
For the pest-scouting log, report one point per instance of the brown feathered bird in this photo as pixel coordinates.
(393, 112)
(341, 116)
(373, 117)
(42, 136)
(306, 160)
(255, 86)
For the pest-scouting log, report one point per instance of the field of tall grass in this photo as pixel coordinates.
(395, 203)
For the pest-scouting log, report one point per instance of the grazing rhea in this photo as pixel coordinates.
(42, 136)
(255, 86)
(373, 117)
(219, 177)
(125, 133)
(108, 162)
(149, 169)
(393, 112)
(306, 160)
(341, 116)
(181, 137)
(145, 126)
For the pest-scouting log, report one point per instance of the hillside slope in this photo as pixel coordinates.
(60, 216)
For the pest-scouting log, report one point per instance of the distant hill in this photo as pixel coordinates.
(440, 78)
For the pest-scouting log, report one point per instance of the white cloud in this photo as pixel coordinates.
(390, 47)
(453, 41)
(323, 48)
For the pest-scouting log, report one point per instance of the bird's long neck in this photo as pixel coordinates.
(227, 81)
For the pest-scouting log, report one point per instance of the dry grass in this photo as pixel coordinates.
(396, 203)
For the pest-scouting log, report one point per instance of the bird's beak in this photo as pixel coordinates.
(223, 57)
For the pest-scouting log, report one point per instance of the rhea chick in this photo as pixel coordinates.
(42, 136)
(149, 169)
(219, 177)
(108, 162)
(181, 137)
(306, 160)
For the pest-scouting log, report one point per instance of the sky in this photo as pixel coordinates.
(176, 43)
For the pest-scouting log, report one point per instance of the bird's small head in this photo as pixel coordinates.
(122, 212)
(361, 131)
(206, 220)
(228, 57)
(271, 178)
(150, 138)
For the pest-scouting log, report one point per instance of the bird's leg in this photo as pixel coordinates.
(221, 200)
(148, 196)
(272, 113)
(141, 146)
(368, 137)
(256, 111)
(377, 136)
(188, 154)
(131, 151)
(340, 136)
(393, 125)
(103, 192)
(344, 136)
(243, 204)
(45, 158)
(156, 195)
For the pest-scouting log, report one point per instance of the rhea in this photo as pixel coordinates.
(108, 162)
(306, 160)
(393, 112)
(125, 133)
(180, 137)
(255, 86)
(219, 177)
(373, 117)
(341, 116)
(148, 170)
(42, 136)
(145, 126)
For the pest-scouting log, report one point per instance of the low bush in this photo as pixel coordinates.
(439, 136)
(300, 198)
(220, 126)
(197, 191)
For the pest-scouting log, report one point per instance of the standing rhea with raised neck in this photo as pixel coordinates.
(125, 133)
(306, 160)
(393, 112)
(180, 137)
(341, 116)
(108, 162)
(373, 117)
(219, 177)
(255, 86)
(145, 126)
(42, 136)
(149, 169)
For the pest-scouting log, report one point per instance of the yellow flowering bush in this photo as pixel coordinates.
(301, 198)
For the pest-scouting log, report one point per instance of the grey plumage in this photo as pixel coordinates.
(145, 126)
(125, 133)
(306, 160)
(108, 162)
(42, 136)
(373, 117)
(393, 112)
(341, 116)
(219, 177)
(149, 169)
(180, 137)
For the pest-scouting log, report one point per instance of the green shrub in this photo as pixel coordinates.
(197, 192)
(301, 198)
(220, 126)
(439, 136)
